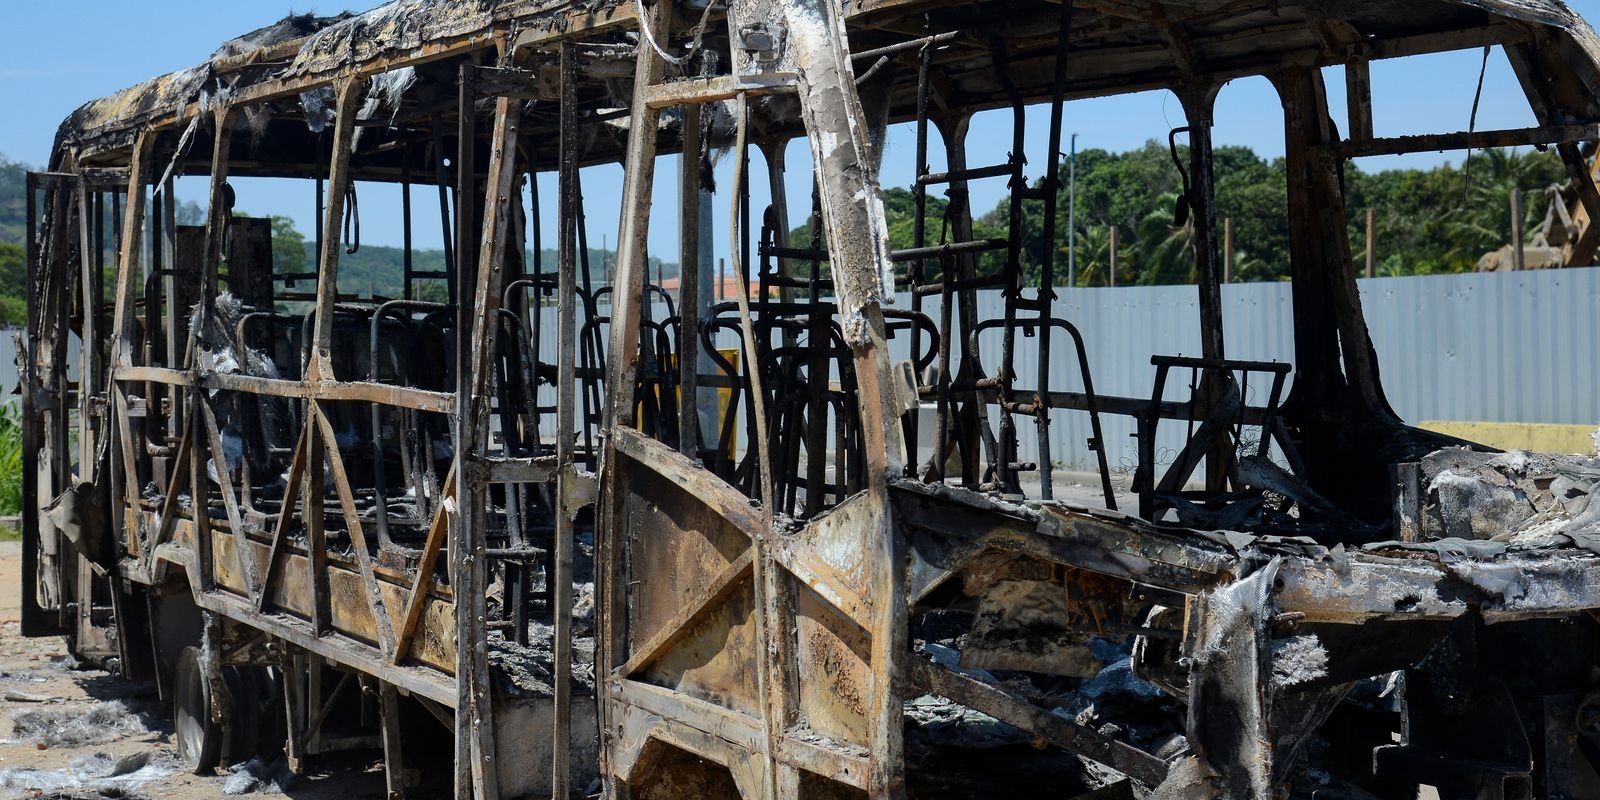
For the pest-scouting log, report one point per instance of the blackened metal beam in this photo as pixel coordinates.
(1050, 727)
(1472, 140)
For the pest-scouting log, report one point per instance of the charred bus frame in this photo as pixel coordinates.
(757, 607)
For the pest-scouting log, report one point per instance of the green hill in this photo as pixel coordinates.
(376, 271)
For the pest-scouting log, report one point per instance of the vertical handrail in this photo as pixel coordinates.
(566, 414)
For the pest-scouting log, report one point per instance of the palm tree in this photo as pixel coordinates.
(1165, 253)
(1094, 254)
(1483, 221)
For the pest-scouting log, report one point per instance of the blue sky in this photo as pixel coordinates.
(45, 73)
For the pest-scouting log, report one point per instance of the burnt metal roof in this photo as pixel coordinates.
(1119, 45)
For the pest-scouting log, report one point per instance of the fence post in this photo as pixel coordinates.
(1113, 260)
(1227, 250)
(1516, 231)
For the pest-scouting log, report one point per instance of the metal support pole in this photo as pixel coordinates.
(689, 294)
(611, 593)
(566, 416)
(1006, 463)
(321, 366)
(919, 232)
(393, 758)
(1047, 258)
(484, 252)
(406, 265)
(1198, 105)
(441, 176)
(964, 422)
(173, 321)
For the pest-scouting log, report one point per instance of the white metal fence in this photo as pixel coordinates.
(1504, 347)
(1498, 347)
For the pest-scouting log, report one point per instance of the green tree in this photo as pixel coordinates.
(189, 212)
(1094, 255)
(1483, 223)
(13, 200)
(289, 253)
(1164, 252)
(1428, 221)
(13, 284)
(11, 461)
(1254, 194)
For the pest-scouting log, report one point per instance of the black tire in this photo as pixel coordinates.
(242, 727)
(198, 739)
(255, 727)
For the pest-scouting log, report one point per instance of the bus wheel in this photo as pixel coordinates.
(199, 739)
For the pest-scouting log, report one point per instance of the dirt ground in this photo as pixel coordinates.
(71, 732)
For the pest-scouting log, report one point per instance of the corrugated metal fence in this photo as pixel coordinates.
(8, 362)
(1512, 347)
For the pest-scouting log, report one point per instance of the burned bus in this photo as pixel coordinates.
(562, 534)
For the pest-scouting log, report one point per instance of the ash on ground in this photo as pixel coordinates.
(103, 722)
(259, 777)
(92, 776)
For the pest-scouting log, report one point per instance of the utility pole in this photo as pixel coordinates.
(1113, 260)
(1372, 245)
(1072, 214)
